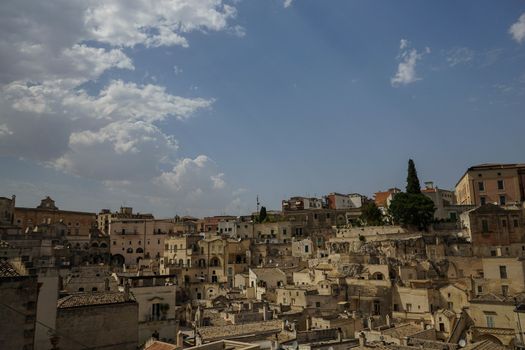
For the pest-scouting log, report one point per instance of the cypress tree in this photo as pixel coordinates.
(262, 214)
(413, 185)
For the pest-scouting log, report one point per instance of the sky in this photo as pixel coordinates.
(196, 107)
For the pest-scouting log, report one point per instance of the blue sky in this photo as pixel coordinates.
(204, 106)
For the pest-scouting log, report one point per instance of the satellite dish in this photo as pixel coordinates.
(462, 343)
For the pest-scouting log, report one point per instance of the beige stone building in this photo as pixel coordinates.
(106, 216)
(133, 240)
(492, 183)
(78, 224)
(157, 309)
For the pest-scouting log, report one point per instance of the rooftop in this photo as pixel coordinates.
(232, 331)
(7, 270)
(92, 298)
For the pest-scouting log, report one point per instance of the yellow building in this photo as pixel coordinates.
(492, 183)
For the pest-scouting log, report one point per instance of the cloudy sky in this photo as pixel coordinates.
(196, 106)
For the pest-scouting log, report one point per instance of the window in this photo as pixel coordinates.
(480, 289)
(409, 307)
(396, 307)
(503, 272)
(500, 185)
(450, 305)
(481, 186)
(441, 327)
(505, 290)
(490, 321)
(377, 307)
(484, 226)
(317, 304)
(504, 223)
(306, 249)
(155, 311)
(502, 200)
(482, 200)
(516, 222)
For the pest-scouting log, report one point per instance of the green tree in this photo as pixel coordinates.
(413, 185)
(262, 214)
(371, 215)
(412, 208)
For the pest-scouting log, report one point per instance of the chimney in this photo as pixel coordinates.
(126, 292)
(180, 340)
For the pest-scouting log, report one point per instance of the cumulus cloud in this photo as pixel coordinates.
(406, 69)
(50, 49)
(517, 30)
(121, 150)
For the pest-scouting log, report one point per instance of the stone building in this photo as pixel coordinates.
(106, 216)
(18, 305)
(78, 224)
(100, 320)
(492, 183)
(133, 240)
(157, 308)
(493, 226)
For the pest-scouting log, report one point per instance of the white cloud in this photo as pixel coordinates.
(119, 151)
(517, 30)
(129, 101)
(163, 22)
(4, 130)
(459, 55)
(287, 3)
(406, 69)
(50, 49)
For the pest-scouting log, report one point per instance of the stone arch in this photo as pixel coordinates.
(117, 260)
(378, 276)
(490, 338)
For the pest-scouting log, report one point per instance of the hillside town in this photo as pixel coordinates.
(341, 271)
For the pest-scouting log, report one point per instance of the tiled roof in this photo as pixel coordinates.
(92, 298)
(158, 345)
(401, 331)
(231, 331)
(7, 270)
(485, 345)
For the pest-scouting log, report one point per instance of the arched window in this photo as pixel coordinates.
(94, 245)
(215, 262)
(129, 250)
(103, 245)
(139, 250)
